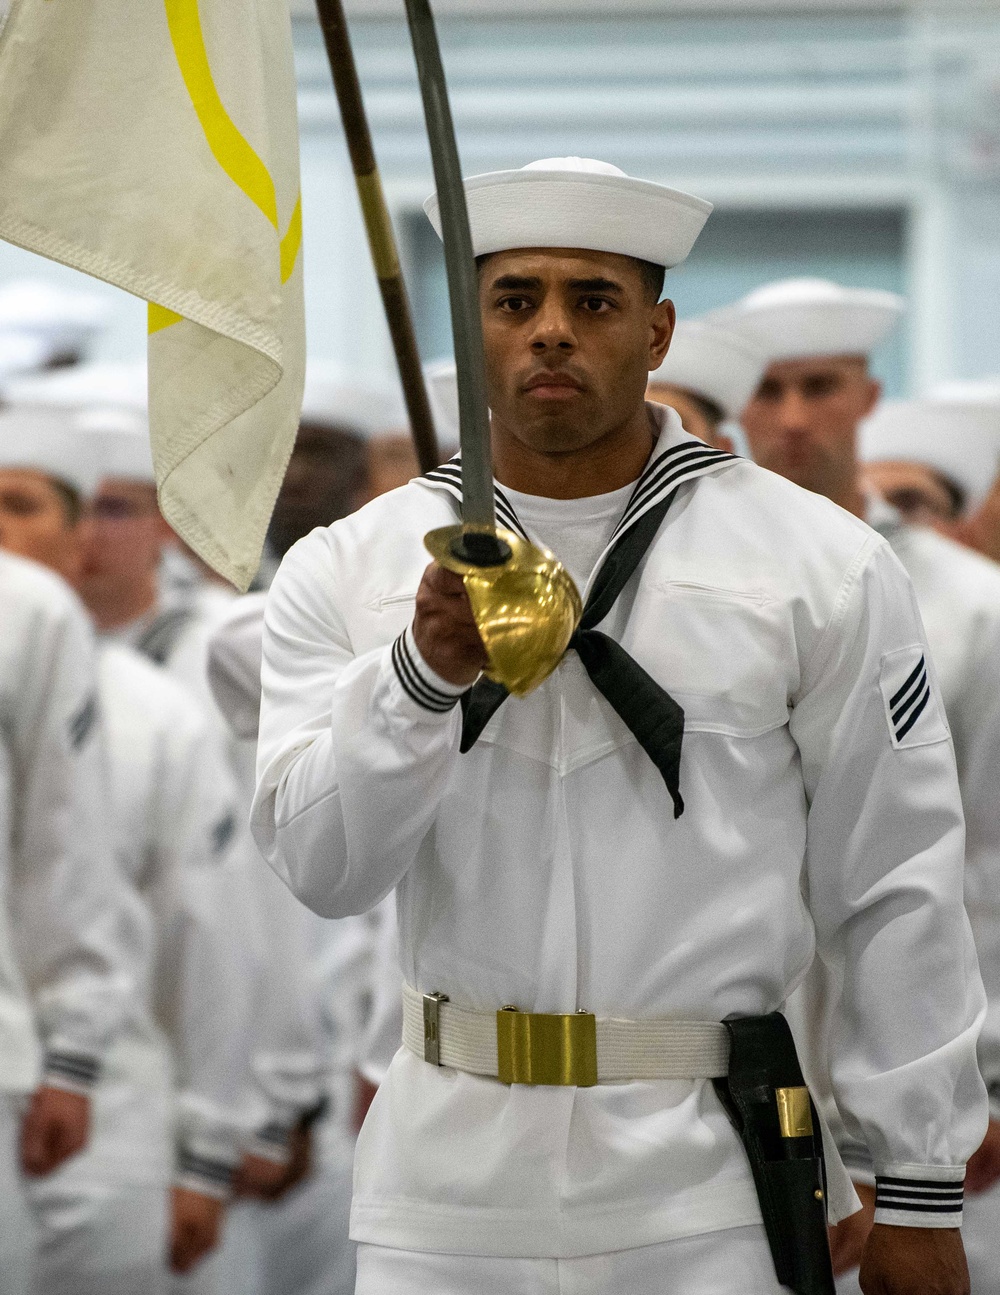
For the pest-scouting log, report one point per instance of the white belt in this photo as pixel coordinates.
(542, 1048)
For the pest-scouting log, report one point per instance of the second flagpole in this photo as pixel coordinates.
(378, 225)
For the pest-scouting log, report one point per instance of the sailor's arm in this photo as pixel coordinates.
(976, 725)
(76, 934)
(208, 961)
(355, 752)
(884, 860)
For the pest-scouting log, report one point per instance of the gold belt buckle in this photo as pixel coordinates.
(544, 1048)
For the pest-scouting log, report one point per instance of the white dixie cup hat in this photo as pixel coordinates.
(959, 440)
(574, 202)
(712, 361)
(44, 440)
(795, 319)
(335, 397)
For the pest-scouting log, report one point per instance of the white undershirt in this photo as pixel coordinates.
(576, 530)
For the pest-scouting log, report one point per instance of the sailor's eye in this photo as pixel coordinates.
(514, 304)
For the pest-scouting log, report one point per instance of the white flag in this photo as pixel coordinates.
(154, 144)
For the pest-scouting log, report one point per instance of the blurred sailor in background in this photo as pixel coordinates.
(173, 1102)
(297, 1241)
(805, 421)
(68, 932)
(709, 374)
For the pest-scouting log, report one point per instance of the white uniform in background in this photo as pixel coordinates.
(300, 1245)
(167, 1105)
(790, 625)
(64, 931)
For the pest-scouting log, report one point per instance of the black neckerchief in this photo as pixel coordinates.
(648, 711)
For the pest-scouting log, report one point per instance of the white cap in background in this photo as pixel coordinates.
(43, 440)
(575, 202)
(806, 318)
(441, 377)
(333, 397)
(117, 441)
(959, 440)
(60, 321)
(81, 386)
(714, 362)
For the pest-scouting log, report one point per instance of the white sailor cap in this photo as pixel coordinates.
(44, 440)
(804, 318)
(332, 396)
(117, 441)
(441, 377)
(81, 386)
(575, 202)
(959, 440)
(712, 361)
(62, 320)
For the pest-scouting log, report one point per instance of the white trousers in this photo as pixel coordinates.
(17, 1229)
(98, 1238)
(735, 1261)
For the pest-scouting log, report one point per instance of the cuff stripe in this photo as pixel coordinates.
(213, 1171)
(72, 1065)
(414, 684)
(920, 1196)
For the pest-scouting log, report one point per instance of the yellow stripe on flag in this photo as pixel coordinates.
(233, 153)
(291, 243)
(161, 317)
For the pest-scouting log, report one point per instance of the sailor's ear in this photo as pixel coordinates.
(661, 325)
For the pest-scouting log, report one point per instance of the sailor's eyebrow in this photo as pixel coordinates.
(515, 283)
(595, 285)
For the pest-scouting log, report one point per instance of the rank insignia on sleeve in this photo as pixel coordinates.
(82, 723)
(912, 705)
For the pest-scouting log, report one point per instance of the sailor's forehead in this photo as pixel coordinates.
(808, 366)
(550, 263)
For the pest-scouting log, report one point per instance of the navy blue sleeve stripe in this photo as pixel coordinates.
(924, 1184)
(914, 714)
(916, 671)
(414, 684)
(908, 700)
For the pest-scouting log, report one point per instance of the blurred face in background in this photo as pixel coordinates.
(327, 478)
(700, 417)
(40, 518)
(124, 543)
(802, 420)
(392, 462)
(921, 495)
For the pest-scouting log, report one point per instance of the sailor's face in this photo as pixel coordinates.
(802, 420)
(914, 489)
(125, 539)
(35, 522)
(571, 337)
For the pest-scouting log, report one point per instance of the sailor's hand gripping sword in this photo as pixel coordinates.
(524, 601)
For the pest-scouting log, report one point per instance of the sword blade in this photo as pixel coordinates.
(463, 279)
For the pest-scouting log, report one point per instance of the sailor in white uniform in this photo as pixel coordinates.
(574, 858)
(959, 595)
(805, 421)
(708, 375)
(176, 1075)
(65, 929)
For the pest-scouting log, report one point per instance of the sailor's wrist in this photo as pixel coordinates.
(415, 685)
(272, 1142)
(919, 1196)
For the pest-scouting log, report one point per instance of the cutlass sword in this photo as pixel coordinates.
(525, 604)
(479, 542)
(378, 226)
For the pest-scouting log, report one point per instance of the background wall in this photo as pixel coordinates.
(855, 140)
